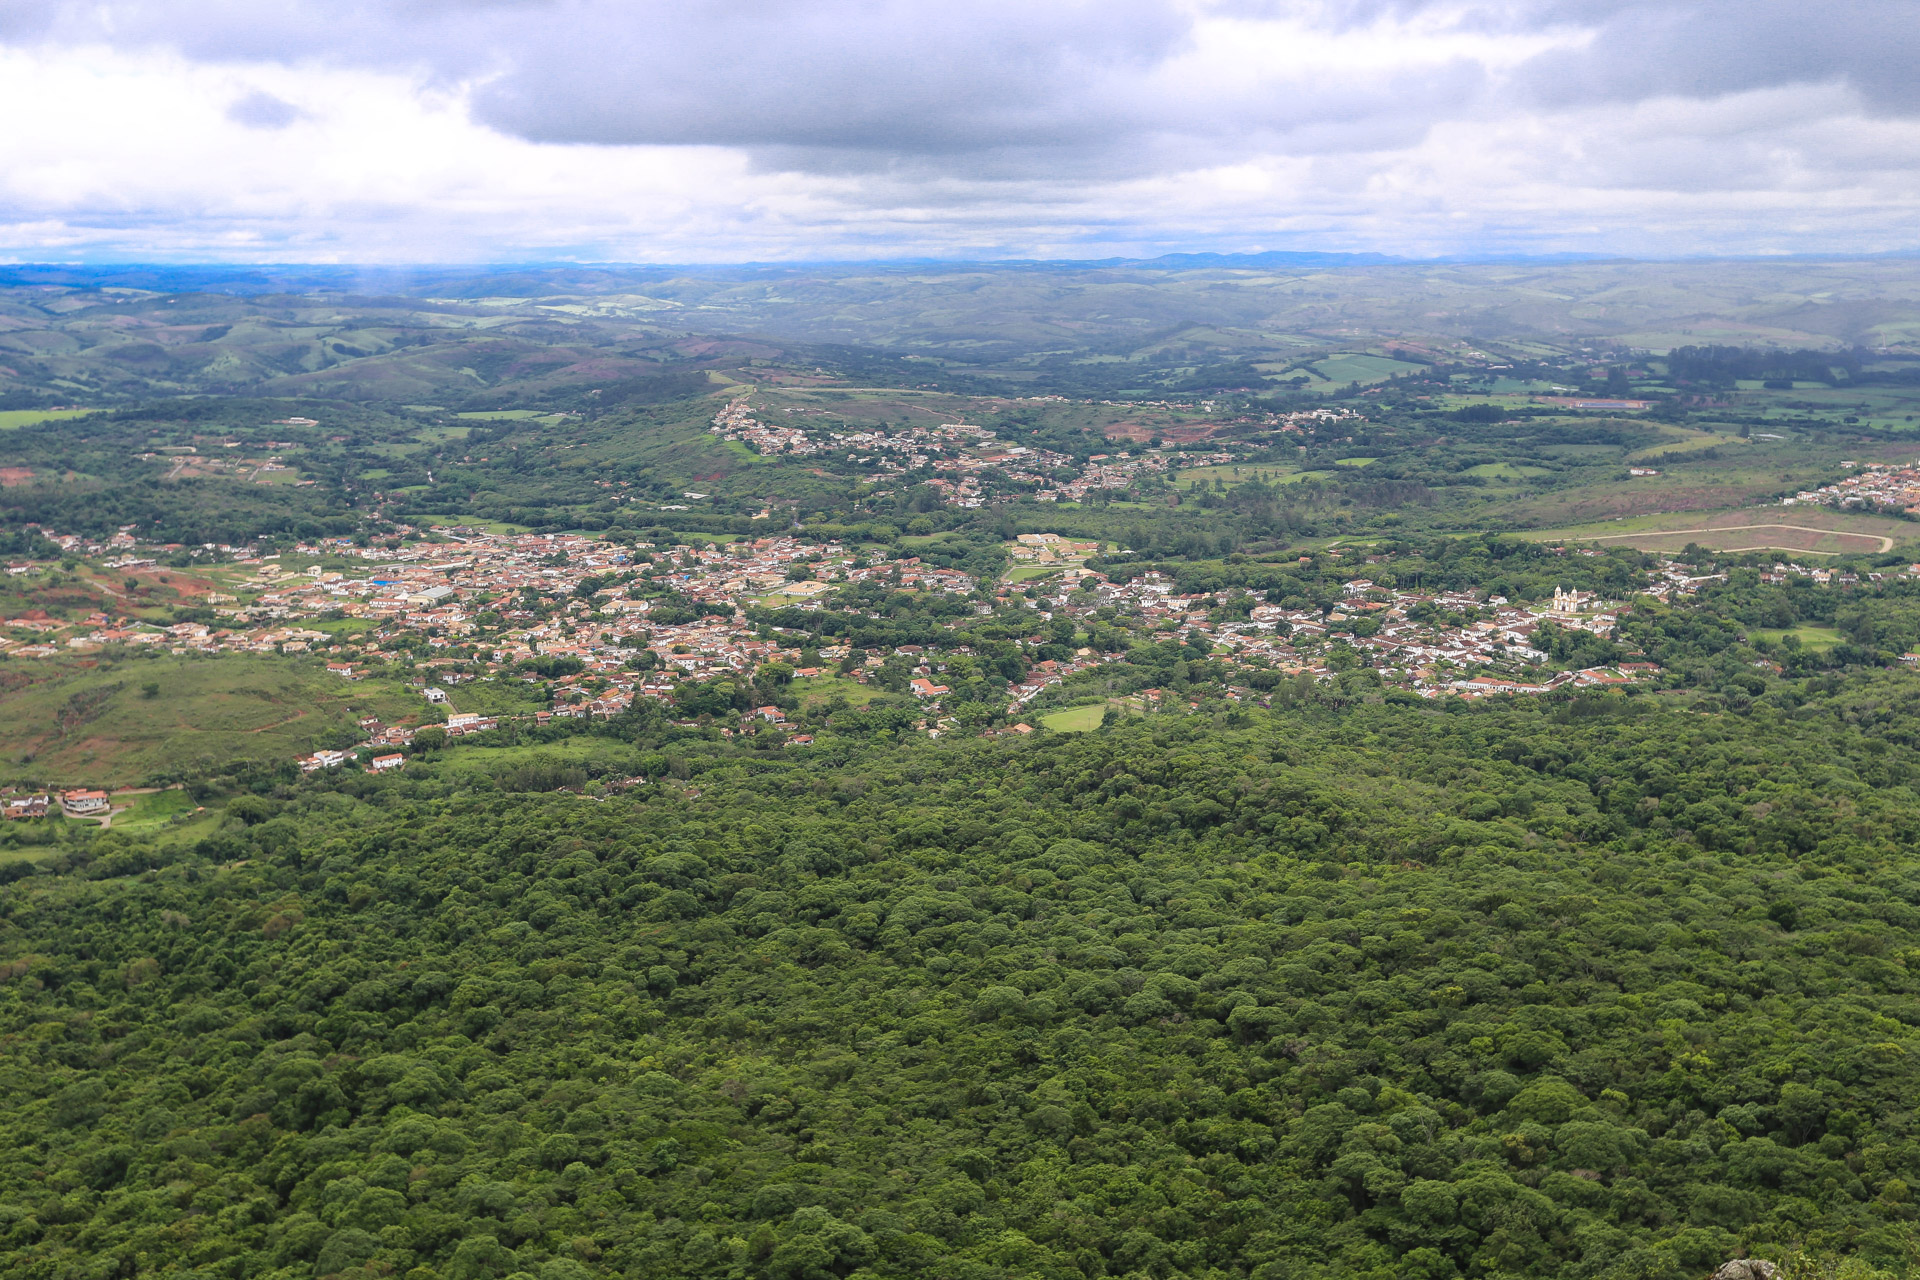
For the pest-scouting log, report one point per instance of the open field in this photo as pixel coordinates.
(1363, 368)
(472, 522)
(820, 690)
(1685, 441)
(12, 418)
(1808, 530)
(154, 810)
(1819, 639)
(1506, 471)
(594, 754)
(1075, 719)
(1233, 474)
(1582, 450)
(66, 724)
(497, 697)
(1689, 484)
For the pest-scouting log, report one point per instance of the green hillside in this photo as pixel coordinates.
(121, 723)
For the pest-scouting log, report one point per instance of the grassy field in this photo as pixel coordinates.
(1355, 462)
(1232, 475)
(472, 522)
(496, 697)
(1808, 530)
(150, 812)
(1506, 471)
(1819, 639)
(12, 418)
(597, 755)
(64, 724)
(1582, 450)
(1690, 487)
(1075, 719)
(1685, 442)
(1362, 368)
(783, 596)
(819, 690)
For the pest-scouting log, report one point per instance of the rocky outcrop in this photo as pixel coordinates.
(1747, 1269)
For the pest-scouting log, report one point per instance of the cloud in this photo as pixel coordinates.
(261, 110)
(771, 128)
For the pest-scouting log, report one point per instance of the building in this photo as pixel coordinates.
(1565, 603)
(27, 807)
(434, 694)
(86, 801)
(381, 764)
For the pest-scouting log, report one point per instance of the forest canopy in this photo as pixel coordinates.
(1539, 988)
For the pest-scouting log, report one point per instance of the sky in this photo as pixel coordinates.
(470, 131)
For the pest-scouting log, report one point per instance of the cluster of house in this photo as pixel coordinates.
(1494, 654)
(895, 450)
(79, 803)
(1877, 485)
(962, 456)
(479, 605)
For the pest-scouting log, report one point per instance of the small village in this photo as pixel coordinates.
(960, 455)
(1874, 486)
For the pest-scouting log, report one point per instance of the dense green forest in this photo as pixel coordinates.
(1603, 986)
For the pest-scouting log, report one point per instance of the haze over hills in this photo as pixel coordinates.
(433, 334)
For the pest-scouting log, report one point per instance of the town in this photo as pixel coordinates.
(1876, 486)
(591, 626)
(964, 459)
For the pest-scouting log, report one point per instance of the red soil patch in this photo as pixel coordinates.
(189, 588)
(10, 476)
